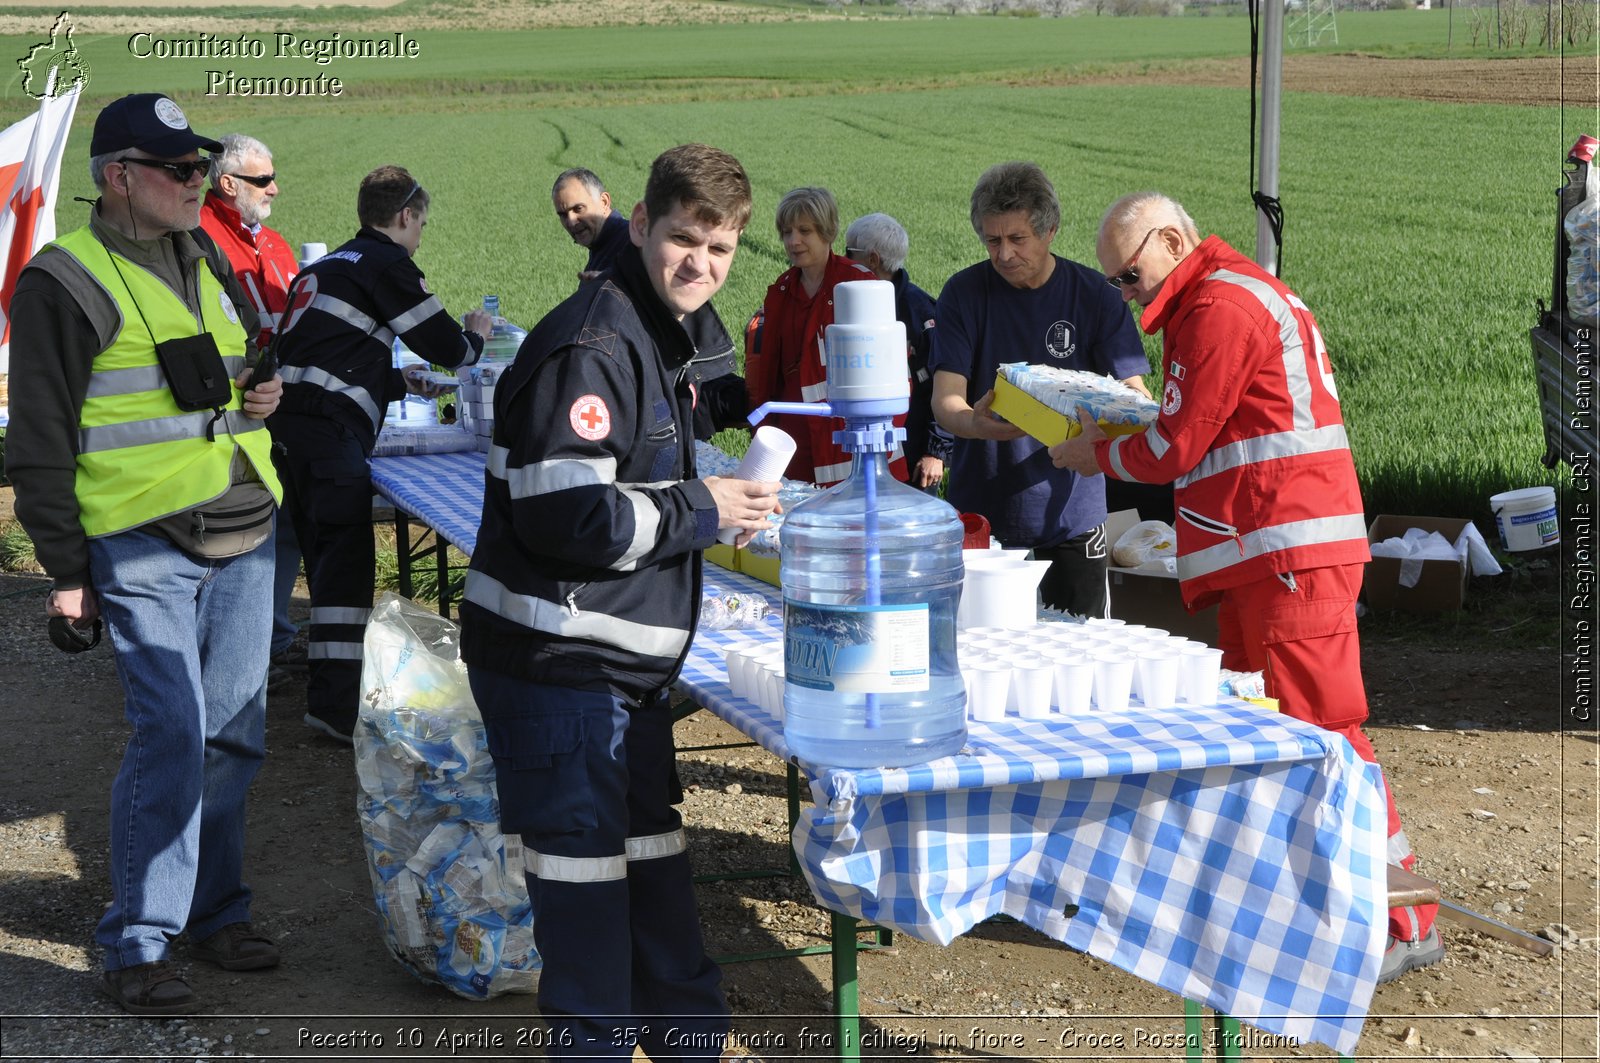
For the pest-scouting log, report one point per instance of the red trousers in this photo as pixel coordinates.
(1299, 631)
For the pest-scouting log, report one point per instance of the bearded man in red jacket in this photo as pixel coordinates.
(1270, 521)
(243, 186)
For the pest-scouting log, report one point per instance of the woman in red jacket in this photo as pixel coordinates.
(783, 344)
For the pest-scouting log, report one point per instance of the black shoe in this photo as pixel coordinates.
(1402, 956)
(237, 947)
(151, 989)
(338, 731)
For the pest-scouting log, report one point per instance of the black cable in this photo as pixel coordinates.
(1268, 205)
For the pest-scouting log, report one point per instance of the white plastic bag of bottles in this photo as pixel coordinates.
(448, 885)
(1583, 259)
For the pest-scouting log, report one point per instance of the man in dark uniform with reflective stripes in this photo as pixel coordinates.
(336, 351)
(580, 607)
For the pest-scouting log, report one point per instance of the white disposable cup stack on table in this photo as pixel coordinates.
(738, 680)
(1074, 684)
(1158, 679)
(1201, 668)
(1033, 681)
(1113, 679)
(765, 461)
(990, 686)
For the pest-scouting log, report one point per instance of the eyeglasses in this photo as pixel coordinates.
(1130, 276)
(259, 180)
(415, 187)
(182, 172)
(856, 252)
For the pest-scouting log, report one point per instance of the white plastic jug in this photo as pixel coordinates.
(1000, 592)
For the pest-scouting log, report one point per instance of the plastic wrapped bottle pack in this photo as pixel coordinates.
(448, 885)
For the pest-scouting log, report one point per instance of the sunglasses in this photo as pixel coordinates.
(182, 172)
(1130, 276)
(259, 180)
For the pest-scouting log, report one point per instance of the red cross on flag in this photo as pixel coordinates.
(590, 418)
(30, 172)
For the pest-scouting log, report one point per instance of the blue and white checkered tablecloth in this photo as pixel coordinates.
(444, 491)
(1231, 855)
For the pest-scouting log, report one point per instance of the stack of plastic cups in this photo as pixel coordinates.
(988, 687)
(1113, 679)
(1201, 669)
(765, 461)
(1157, 669)
(1074, 676)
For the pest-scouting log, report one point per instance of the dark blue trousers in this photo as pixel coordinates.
(589, 782)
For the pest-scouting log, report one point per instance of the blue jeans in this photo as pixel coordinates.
(286, 569)
(190, 638)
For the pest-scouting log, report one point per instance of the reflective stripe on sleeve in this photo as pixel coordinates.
(1294, 355)
(555, 618)
(1270, 540)
(575, 868)
(417, 315)
(655, 846)
(546, 477)
(646, 527)
(321, 378)
(1267, 448)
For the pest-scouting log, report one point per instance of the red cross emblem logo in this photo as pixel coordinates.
(304, 292)
(590, 418)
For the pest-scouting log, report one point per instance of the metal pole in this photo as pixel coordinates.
(1271, 113)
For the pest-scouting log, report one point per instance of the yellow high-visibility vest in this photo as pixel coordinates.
(140, 457)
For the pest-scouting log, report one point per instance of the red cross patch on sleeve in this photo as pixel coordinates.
(590, 418)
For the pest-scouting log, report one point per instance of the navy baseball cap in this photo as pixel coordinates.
(150, 122)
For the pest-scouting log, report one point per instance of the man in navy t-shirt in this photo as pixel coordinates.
(1026, 304)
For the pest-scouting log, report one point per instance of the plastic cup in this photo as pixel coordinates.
(735, 660)
(1032, 680)
(1201, 668)
(1113, 679)
(765, 461)
(1074, 693)
(774, 680)
(1158, 679)
(310, 252)
(986, 694)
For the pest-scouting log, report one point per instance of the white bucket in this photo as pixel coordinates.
(1526, 519)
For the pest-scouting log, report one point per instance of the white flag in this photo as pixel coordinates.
(30, 173)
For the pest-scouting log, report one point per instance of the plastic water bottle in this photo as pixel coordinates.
(505, 338)
(872, 684)
(871, 572)
(412, 410)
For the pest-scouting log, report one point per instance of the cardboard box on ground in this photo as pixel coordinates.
(1151, 597)
(1442, 586)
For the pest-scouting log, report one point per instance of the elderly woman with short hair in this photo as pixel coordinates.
(783, 345)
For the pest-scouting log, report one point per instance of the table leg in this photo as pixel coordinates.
(1230, 1037)
(846, 1003)
(794, 815)
(442, 568)
(402, 549)
(1193, 1032)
